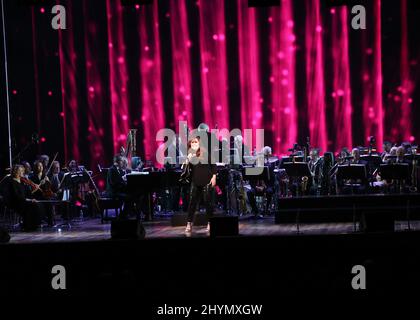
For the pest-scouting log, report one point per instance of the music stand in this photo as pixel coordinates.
(297, 169)
(352, 172)
(373, 160)
(411, 157)
(265, 175)
(395, 171)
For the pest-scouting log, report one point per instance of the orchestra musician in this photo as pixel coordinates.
(400, 155)
(116, 184)
(241, 147)
(38, 177)
(45, 160)
(73, 166)
(391, 156)
(28, 169)
(355, 153)
(387, 145)
(203, 180)
(314, 165)
(56, 176)
(262, 188)
(326, 174)
(21, 200)
(44, 191)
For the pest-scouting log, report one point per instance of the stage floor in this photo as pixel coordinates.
(160, 227)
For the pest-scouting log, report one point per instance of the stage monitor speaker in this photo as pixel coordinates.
(127, 229)
(224, 226)
(4, 236)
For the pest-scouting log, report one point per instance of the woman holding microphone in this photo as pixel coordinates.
(203, 180)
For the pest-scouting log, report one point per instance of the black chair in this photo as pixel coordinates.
(106, 204)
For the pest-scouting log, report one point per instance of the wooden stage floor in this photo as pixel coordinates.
(160, 227)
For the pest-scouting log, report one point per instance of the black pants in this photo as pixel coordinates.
(32, 214)
(196, 193)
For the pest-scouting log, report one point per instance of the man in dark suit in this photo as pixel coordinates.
(116, 184)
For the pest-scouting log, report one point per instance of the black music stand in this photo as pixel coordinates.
(373, 161)
(296, 170)
(265, 175)
(395, 171)
(352, 172)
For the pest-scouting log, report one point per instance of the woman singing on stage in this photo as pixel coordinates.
(203, 180)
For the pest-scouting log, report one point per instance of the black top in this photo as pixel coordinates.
(55, 180)
(35, 179)
(202, 173)
(17, 195)
(114, 182)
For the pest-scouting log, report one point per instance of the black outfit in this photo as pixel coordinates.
(46, 208)
(30, 212)
(115, 184)
(200, 188)
(55, 181)
(116, 188)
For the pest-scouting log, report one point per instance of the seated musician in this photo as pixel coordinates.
(395, 156)
(20, 200)
(344, 154)
(355, 153)
(28, 169)
(56, 176)
(39, 178)
(314, 164)
(327, 175)
(116, 184)
(387, 149)
(45, 160)
(401, 151)
(355, 185)
(390, 157)
(239, 144)
(260, 188)
(73, 166)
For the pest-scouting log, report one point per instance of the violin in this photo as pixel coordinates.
(33, 185)
(46, 192)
